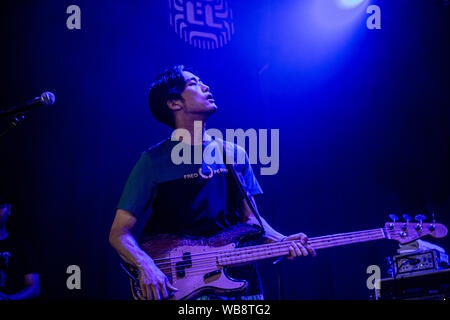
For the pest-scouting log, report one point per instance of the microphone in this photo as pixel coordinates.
(46, 99)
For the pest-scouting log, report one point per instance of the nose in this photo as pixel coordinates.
(205, 88)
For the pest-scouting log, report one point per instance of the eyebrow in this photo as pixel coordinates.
(194, 78)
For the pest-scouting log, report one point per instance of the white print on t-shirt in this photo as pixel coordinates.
(205, 175)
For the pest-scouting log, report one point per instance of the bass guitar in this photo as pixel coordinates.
(199, 265)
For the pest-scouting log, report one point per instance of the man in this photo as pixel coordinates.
(187, 199)
(19, 278)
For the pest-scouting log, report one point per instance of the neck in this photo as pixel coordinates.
(196, 131)
(278, 249)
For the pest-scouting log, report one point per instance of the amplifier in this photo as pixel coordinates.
(424, 261)
(434, 285)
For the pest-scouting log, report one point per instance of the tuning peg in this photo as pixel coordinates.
(433, 225)
(407, 218)
(420, 218)
(393, 217)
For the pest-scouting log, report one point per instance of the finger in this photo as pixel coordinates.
(143, 290)
(163, 289)
(302, 249)
(311, 250)
(295, 252)
(304, 241)
(147, 292)
(156, 295)
(298, 253)
(303, 238)
(140, 293)
(291, 253)
(170, 286)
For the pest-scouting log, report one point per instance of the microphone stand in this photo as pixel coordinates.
(16, 114)
(13, 122)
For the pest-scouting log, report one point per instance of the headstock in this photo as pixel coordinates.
(408, 231)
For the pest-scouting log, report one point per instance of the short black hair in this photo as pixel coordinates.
(168, 86)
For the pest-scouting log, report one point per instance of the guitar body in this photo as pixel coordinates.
(191, 263)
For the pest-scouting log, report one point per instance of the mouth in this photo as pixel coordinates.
(210, 98)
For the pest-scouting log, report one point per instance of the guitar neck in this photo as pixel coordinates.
(279, 249)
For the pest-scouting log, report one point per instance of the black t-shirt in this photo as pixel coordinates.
(16, 260)
(190, 199)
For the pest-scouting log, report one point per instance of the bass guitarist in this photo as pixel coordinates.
(188, 199)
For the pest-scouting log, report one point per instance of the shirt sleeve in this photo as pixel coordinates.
(137, 193)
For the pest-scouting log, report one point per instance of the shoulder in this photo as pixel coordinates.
(159, 150)
(158, 147)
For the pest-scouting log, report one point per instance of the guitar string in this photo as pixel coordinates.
(279, 246)
(325, 239)
(205, 266)
(311, 240)
(282, 246)
(256, 249)
(337, 237)
(254, 255)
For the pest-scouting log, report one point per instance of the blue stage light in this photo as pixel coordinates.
(338, 15)
(314, 38)
(349, 4)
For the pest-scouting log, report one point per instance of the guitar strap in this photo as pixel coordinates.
(240, 186)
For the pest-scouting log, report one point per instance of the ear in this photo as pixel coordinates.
(175, 105)
(9, 209)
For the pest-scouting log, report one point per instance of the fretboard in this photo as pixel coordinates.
(279, 249)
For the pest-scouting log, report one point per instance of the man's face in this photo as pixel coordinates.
(5, 211)
(197, 97)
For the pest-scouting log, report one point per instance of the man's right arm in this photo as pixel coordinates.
(152, 280)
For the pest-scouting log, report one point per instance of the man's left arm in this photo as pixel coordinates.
(297, 248)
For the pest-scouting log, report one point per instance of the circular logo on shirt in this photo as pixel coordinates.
(204, 176)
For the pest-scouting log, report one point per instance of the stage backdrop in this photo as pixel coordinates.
(362, 115)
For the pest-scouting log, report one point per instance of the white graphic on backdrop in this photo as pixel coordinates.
(204, 24)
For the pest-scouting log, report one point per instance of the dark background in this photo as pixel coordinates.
(363, 118)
